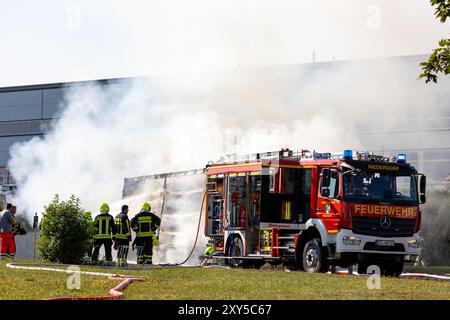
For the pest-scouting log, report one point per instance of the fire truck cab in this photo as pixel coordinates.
(311, 210)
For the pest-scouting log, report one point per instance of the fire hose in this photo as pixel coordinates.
(114, 293)
(406, 275)
(196, 236)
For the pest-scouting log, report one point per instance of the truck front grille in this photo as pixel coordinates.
(372, 227)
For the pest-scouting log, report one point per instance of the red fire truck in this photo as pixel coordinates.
(313, 210)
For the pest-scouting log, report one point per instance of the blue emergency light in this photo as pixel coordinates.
(401, 158)
(348, 154)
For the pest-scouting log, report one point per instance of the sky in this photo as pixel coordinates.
(60, 40)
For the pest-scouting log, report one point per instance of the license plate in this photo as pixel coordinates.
(385, 243)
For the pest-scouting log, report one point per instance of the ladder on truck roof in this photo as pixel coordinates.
(285, 154)
(130, 185)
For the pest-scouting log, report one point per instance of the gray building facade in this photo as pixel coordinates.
(24, 113)
(27, 112)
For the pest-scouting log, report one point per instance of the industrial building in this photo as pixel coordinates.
(27, 112)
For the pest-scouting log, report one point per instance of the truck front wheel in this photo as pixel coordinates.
(362, 267)
(314, 260)
(392, 268)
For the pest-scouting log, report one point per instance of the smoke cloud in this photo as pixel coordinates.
(436, 229)
(107, 133)
(154, 125)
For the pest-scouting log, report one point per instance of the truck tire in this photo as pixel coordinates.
(236, 250)
(362, 267)
(392, 268)
(314, 259)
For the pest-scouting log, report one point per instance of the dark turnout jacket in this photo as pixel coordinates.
(145, 223)
(104, 226)
(123, 229)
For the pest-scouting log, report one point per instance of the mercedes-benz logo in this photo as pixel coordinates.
(385, 222)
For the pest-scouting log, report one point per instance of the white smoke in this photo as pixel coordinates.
(107, 133)
(154, 125)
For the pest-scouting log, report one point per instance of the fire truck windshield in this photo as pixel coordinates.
(363, 186)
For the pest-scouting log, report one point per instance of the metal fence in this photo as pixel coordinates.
(25, 246)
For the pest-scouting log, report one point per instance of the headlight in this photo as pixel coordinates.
(413, 244)
(351, 241)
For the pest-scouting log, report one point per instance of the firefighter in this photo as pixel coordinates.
(7, 221)
(87, 216)
(104, 230)
(210, 248)
(123, 236)
(145, 224)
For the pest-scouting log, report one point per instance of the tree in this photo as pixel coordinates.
(64, 233)
(439, 60)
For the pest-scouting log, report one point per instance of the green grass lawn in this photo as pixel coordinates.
(214, 283)
(23, 284)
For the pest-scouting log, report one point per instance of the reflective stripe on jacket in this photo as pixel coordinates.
(145, 223)
(104, 226)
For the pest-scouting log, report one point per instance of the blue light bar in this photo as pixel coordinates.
(401, 158)
(348, 154)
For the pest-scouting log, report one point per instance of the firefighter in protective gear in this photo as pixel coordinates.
(123, 236)
(209, 251)
(104, 231)
(145, 224)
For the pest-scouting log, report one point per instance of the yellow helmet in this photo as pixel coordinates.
(146, 206)
(104, 207)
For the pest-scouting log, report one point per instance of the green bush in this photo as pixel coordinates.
(64, 233)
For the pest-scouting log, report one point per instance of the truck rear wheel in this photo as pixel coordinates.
(236, 250)
(314, 260)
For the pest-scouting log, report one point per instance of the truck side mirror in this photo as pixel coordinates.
(423, 198)
(325, 192)
(423, 184)
(326, 178)
(422, 189)
(325, 183)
